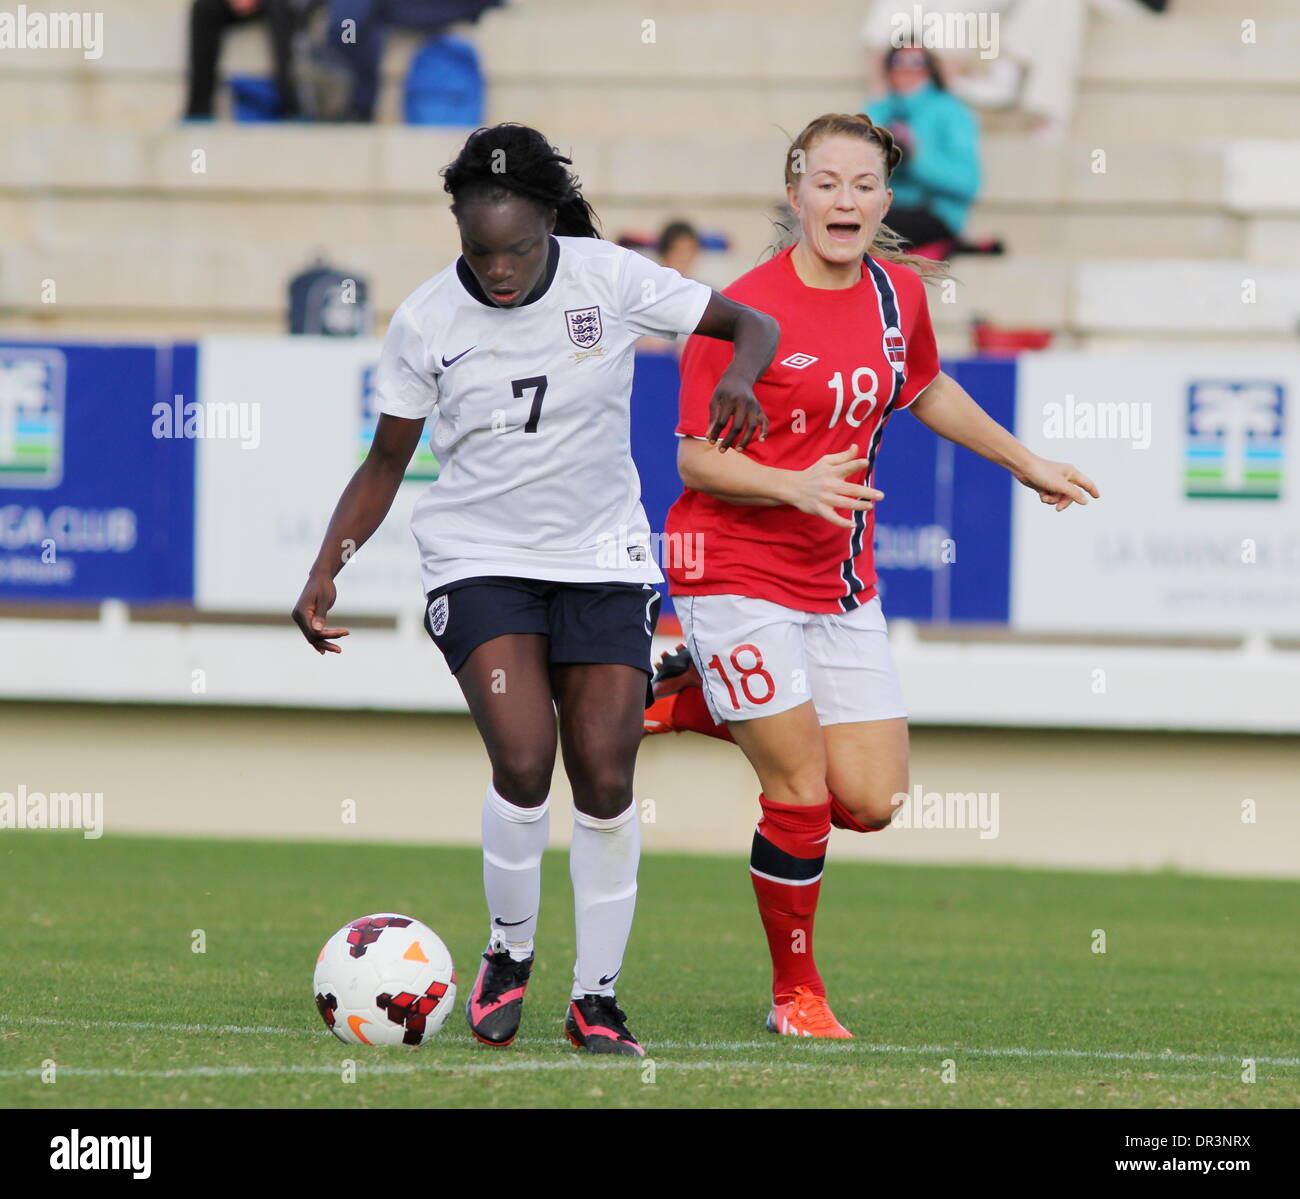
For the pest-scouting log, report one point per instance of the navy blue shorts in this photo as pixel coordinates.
(586, 622)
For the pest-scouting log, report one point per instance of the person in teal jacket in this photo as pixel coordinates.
(939, 177)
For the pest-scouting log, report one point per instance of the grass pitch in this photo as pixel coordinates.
(965, 987)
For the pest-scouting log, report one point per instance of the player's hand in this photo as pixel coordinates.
(1057, 483)
(309, 614)
(822, 487)
(733, 402)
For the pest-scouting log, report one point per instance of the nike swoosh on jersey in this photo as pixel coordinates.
(448, 361)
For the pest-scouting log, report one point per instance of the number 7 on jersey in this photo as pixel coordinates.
(519, 386)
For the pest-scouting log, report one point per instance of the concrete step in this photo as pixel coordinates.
(315, 161)
(1019, 170)
(1009, 291)
(236, 278)
(1075, 233)
(1197, 50)
(249, 280)
(612, 41)
(395, 162)
(1244, 345)
(1263, 176)
(953, 341)
(218, 220)
(1184, 113)
(1273, 240)
(740, 109)
(1256, 9)
(1185, 297)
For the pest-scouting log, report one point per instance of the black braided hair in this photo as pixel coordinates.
(517, 160)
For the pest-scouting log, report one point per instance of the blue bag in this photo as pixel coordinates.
(444, 85)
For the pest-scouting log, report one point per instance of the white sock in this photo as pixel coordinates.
(513, 841)
(603, 862)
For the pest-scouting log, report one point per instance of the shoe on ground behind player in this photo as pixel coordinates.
(597, 1024)
(674, 672)
(679, 705)
(496, 1001)
(805, 1014)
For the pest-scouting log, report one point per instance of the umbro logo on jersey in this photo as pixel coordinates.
(798, 361)
(448, 361)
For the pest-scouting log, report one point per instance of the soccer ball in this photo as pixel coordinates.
(385, 979)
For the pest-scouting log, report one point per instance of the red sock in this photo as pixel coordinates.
(691, 714)
(841, 817)
(785, 866)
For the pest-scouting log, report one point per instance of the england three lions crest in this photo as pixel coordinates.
(584, 326)
(439, 611)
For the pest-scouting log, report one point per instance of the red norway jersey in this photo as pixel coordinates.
(848, 359)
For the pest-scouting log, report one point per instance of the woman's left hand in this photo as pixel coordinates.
(1057, 483)
(733, 402)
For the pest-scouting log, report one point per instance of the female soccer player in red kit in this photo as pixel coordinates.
(786, 640)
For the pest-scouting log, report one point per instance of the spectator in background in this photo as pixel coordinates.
(1033, 63)
(360, 45)
(209, 20)
(679, 247)
(939, 176)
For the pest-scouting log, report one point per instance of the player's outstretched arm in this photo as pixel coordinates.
(819, 489)
(360, 511)
(950, 410)
(755, 336)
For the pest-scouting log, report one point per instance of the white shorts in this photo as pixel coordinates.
(758, 658)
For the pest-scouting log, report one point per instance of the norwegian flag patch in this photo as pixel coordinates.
(895, 347)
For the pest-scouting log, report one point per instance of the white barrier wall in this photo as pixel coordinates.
(1198, 528)
(262, 504)
(991, 683)
(1198, 531)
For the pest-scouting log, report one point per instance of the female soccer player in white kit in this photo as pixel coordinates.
(535, 551)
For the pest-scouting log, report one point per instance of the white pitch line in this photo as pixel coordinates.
(806, 1045)
(148, 1026)
(950, 1051)
(577, 1063)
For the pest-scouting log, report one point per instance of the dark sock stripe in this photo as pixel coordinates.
(767, 859)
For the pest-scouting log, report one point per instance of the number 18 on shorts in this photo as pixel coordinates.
(757, 658)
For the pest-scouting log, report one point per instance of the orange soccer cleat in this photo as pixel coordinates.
(805, 1014)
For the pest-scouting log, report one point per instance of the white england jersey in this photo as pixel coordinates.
(531, 419)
